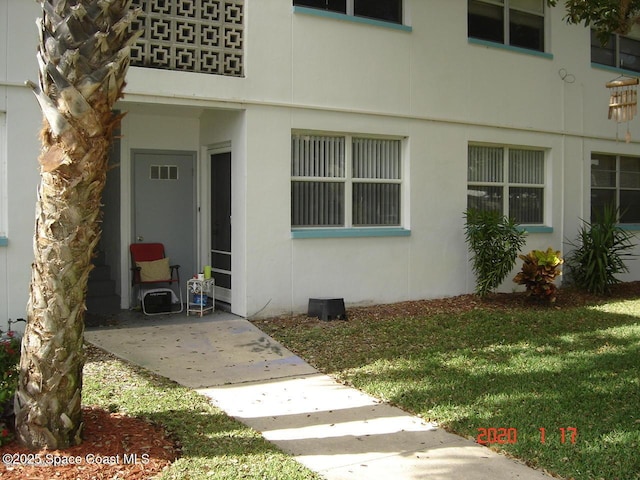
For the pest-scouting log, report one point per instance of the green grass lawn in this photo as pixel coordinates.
(213, 446)
(501, 374)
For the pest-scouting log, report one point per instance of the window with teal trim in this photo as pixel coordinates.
(620, 51)
(508, 180)
(385, 10)
(3, 179)
(518, 23)
(615, 181)
(345, 181)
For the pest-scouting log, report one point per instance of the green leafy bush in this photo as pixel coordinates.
(599, 253)
(495, 242)
(9, 360)
(539, 270)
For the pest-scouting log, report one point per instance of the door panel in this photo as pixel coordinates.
(221, 224)
(164, 205)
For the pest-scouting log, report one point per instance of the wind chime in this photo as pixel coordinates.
(623, 102)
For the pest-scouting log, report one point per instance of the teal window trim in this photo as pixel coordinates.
(4, 241)
(502, 46)
(349, 232)
(535, 229)
(619, 71)
(350, 18)
(630, 227)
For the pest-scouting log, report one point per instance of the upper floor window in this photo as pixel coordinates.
(518, 23)
(345, 181)
(615, 181)
(385, 10)
(620, 51)
(508, 180)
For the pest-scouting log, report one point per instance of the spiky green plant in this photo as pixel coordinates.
(599, 252)
(495, 242)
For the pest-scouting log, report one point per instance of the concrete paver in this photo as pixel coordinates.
(335, 430)
(199, 352)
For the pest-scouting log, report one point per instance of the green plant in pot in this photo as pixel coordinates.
(539, 271)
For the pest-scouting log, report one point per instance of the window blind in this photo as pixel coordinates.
(333, 185)
(376, 158)
(317, 156)
(615, 181)
(376, 187)
(485, 164)
(521, 195)
(315, 201)
(317, 204)
(526, 166)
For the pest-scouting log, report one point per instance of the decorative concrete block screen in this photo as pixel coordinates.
(204, 36)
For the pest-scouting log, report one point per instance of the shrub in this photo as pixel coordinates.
(495, 242)
(539, 270)
(599, 253)
(9, 359)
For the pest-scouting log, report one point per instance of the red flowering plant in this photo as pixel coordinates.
(9, 360)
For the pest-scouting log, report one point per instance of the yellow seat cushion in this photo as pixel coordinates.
(155, 271)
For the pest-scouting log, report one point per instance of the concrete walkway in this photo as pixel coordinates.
(334, 430)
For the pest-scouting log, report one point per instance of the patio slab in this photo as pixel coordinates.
(217, 349)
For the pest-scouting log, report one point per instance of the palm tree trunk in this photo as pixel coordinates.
(83, 57)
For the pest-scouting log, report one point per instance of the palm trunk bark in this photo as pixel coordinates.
(83, 57)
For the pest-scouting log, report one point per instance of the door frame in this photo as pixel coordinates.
(132, 230)
(204, 224)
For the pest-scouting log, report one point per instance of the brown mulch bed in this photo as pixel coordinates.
(567, 298)
(115, 447)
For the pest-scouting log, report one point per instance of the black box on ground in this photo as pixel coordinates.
(157, 301)
(327, 308)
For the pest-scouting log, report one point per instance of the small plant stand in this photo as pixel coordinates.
(200, 294)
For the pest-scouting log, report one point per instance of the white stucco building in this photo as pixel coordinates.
(312, 149)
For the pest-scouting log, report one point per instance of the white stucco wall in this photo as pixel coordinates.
(352, 78)
(429, 86)
(227, 127)
(284, 273)
(18, 38)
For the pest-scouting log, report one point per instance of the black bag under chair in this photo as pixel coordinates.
(150, 271)
(157, 300)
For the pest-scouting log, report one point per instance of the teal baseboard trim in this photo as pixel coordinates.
(350, 18)
(619, 71)
(349, 232)
(4, 241)
(526, 51)
(630, 227)
(535, 229)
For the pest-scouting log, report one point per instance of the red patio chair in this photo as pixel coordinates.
(150, 270)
